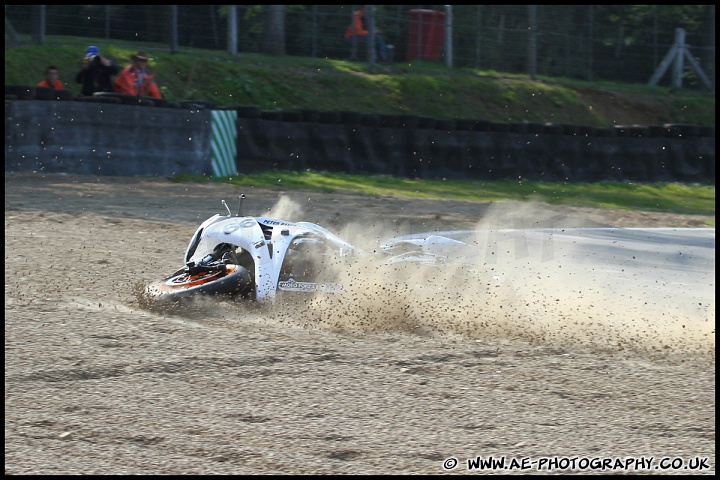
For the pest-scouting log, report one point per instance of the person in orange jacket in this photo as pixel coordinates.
(136, 79)
(51, 79)
(356, 34)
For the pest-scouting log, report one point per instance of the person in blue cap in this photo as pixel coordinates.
(96, 72)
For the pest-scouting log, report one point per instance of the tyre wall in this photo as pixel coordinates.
(430, 148)
(123, 139)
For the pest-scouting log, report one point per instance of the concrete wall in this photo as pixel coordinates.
(111, 139)
(105, 139)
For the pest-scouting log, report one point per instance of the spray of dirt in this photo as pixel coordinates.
(506, 294)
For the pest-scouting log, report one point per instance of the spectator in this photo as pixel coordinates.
(51, 79)
(136, 79)
(357, 36)
(96, 72)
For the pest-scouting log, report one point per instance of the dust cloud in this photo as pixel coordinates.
(513, 290)
(523, 285)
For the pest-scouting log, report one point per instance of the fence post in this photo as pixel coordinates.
(532, 41)
(38, 24)
(448, 36)
(173, 28)
(677, 71)
(370, 11)
(232, 29)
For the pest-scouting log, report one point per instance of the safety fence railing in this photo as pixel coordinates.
(624, 43)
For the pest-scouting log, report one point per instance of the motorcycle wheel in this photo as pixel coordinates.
(235, 280)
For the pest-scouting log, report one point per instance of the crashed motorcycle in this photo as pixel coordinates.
(258, 258)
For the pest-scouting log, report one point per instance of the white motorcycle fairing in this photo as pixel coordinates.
(255, 257)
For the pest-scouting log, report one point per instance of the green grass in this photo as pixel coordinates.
(659, 197)
(282, 82)
(277, 82)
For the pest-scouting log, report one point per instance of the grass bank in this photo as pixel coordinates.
(662, 197)
(280, 82)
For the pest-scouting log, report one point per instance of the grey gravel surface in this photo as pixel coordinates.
(98, 382)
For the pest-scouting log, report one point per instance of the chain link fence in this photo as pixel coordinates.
(622, 43)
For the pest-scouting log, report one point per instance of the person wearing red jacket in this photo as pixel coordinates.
(136, 79)
(51, 79)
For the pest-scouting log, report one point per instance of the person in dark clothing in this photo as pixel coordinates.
(96, 73)
(357, 36)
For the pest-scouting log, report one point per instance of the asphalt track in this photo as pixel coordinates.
(674, 264)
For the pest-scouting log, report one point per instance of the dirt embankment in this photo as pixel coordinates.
(622, 109)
